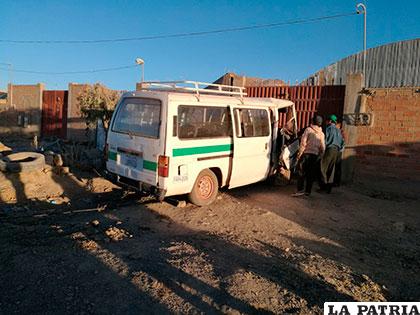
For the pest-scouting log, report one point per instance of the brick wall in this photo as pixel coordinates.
(391, 146)
(76, 125)
(23, 101)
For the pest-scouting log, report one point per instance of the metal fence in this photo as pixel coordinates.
(392, 65)
(309, 100)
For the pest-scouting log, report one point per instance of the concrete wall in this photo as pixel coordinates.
(27, 100)
(391, 146)
(76, 125)
(352, 104)
(23, 101)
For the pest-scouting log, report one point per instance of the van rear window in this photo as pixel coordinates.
(138, 116)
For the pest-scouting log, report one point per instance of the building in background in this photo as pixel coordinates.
(234, 79)
(3, 98)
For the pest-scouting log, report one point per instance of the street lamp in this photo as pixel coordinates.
(364, 12)
(140, 62)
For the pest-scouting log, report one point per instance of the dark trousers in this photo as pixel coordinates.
(328, 166)
(307, 170)
(337, 174)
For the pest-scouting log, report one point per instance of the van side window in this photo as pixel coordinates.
(203, 122)
(252, 123)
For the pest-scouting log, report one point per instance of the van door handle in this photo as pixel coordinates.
(266, 146)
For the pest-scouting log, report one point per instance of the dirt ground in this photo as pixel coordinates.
(77, 244)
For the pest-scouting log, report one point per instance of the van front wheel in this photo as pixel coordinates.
(205, 188)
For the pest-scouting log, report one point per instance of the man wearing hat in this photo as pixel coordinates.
(312, 147)
(334, 143)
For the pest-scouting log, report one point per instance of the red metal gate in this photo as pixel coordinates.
(309, 100)
(54, 113)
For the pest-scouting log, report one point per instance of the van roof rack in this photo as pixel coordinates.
(193, 86)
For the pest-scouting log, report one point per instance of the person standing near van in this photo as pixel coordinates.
(334, 143)
(312, 147)
(338, 165)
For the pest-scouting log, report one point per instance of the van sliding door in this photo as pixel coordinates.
(251, 146)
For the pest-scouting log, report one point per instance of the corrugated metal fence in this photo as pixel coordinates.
(324, 100)
(392, 65)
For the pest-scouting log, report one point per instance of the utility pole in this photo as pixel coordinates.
(361, 9)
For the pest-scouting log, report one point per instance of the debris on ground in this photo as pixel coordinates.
(176, 202)
(57, 160)
(117, 234)
(95, 223)
(83, 155)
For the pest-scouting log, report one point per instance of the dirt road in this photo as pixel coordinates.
(256, 250)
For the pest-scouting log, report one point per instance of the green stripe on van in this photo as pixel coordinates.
(149, 165)
(202, 150)
(112, 155)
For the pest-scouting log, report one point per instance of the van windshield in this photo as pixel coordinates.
(138, 116)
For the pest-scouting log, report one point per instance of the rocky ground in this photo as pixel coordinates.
(75, 243)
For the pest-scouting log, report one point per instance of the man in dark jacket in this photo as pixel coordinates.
(334, 143)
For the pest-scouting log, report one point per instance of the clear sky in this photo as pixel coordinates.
(290, 52)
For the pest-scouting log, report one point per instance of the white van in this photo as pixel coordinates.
(185, 137)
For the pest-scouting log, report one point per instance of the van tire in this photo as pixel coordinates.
(205, 188)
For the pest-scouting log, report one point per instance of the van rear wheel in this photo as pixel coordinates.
(205, 188)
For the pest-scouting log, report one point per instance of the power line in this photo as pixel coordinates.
(71, 72)
(187, 34)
